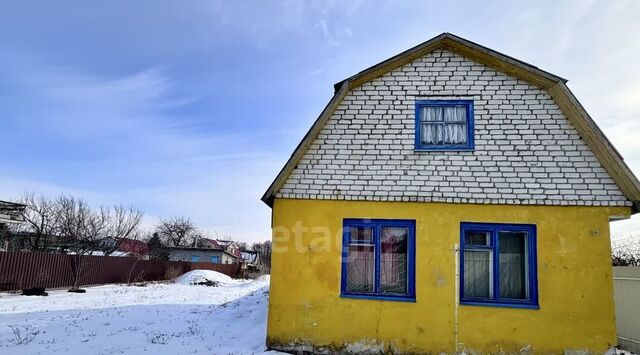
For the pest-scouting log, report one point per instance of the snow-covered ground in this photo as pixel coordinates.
(161, 318)
(168, 318)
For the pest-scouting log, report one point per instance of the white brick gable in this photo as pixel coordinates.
(526, 152)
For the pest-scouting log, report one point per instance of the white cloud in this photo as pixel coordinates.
(158, 162)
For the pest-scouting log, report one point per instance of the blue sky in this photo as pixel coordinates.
(192, 107)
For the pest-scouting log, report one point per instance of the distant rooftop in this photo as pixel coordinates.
(11, 212)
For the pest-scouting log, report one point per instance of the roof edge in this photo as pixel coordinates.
(324, 116)
(610, 158)
(466, 48)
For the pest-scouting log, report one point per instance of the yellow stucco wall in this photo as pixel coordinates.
(574, 281)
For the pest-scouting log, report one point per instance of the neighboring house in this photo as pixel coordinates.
(10, 213)
(250, 259)
(135, 248)
(216, 256)
(230, 246)
(448, 199)
(208, 243)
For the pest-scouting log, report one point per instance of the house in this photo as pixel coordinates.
(250, 260)
(208, 243)
(11, 213)
(216, 256)
(230, 246)
(133, 247)
(448, 199)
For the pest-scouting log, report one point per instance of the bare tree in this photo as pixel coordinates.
(81, 230)
(157, 250)
(264, 253)
(626, 252)
(177, 231)
(41, 221)
(123, 223)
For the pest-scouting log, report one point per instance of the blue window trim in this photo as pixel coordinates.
(496, 301)
(442, 103)
(376, 225)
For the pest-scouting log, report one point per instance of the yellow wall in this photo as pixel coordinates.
(574, 281)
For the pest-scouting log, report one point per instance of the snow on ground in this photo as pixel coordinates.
(196, 277)
(171, 318)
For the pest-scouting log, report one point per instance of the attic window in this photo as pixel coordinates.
(444, 125)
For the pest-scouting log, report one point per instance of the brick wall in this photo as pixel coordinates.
(526, 151)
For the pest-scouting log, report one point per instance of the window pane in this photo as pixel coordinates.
(361, 234)
(477, 274)
(431, 113)
(512, 261)
(455, 133)
(360, 268)
(455, 114)
(477, 238)
(432, 134)
(393, 260)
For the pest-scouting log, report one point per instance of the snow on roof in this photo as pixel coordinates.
(11, 212)
(249, 256)
(224, 243)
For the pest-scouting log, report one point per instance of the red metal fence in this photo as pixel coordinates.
(19, 270)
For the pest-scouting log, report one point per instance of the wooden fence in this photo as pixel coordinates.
(20, 270)
(626, 282)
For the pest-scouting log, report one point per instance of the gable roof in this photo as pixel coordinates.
(602, 148)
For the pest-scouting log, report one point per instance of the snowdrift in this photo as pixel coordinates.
(201, 277)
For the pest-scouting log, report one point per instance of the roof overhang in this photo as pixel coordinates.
(11, 212)
(608, 156)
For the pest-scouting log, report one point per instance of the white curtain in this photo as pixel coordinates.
(477, 273)
(432, 134)
(512, 264)
(444, 125)
(455, 128)
(393, 260)
(360, 268)
(431, 114)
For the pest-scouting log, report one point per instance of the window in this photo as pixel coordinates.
(195, 258)
(378, 259)
(498, 265)
(444, 125)
(215, 259)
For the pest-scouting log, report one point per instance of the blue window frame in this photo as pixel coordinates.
(215, 259)
(195, 258)
(378, 259)
(498, 265)
(444, 125)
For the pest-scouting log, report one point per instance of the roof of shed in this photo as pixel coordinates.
(608, 156)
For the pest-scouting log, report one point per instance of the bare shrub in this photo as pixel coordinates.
(22, 338)
(158, 338)
(172, 272)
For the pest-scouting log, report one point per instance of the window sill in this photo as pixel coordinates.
(452, 149)
(501, 304)
(380, 298)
